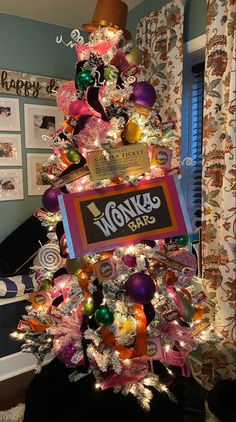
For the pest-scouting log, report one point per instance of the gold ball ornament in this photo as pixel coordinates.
(75, 265)
(135, 56)
(132, 132)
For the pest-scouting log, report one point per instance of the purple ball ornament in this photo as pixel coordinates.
(67, 354)
(50, 199)
(140, 288)
(143, 94)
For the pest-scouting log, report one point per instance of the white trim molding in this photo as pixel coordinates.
(18, 363)
(195, 44)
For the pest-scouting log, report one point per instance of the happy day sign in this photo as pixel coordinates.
(116, 216)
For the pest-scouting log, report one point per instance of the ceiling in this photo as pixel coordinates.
(69, 13)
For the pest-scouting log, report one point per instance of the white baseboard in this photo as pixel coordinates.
(18, 363)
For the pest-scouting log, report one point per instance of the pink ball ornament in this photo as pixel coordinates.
(143, 94)
(130, 261)
(79, 107)
(140, 288)
(50, 199)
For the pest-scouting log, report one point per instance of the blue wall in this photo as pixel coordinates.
(194, 22)
(30, 46)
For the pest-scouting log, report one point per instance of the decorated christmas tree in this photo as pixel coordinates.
(117, 280)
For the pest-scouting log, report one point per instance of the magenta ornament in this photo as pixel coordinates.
(140, 288)
(130, 261)
(143, 94)
(50, 199)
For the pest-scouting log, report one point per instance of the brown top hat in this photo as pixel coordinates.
(111, 13)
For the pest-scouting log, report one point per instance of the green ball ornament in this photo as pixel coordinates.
(181, 240)
(110, 73)
(73, 155)
(104, 316)
(46, 284)
(88, 308)
(75, 265)
(84, 79)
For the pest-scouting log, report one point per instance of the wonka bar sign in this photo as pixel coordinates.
(99, 220)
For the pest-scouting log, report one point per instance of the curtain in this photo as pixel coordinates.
(160, 37)
(219, 186)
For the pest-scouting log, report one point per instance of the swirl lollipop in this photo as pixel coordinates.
(49, 257)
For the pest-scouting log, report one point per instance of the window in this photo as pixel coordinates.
(192, 122)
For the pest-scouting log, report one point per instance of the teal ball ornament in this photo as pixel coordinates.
(73, 155)
(181, 240)
(84, 79)
(88, 308)
(104, 316)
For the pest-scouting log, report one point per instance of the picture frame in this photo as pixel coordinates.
(34, 166)
(9, 114)
(11, 184)
(40, 120)
(10, 149)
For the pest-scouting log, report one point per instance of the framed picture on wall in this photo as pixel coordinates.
(9, 114)
(40, 121)
(11, 184)
(35, 163)
(10, 150)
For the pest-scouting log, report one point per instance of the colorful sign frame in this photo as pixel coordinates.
(117, 216)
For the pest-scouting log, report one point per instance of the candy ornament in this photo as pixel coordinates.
(140, 288)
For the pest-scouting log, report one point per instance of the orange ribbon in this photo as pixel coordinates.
(140, 345)
(37, 326)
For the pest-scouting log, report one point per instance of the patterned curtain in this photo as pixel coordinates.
(219, 185)
(160, 37)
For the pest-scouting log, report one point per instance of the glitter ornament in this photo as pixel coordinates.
(140, 288)
(75, 265)
(84, 79)
(73, 155)
(110, 73)
(143, 94)
(46, 284)
(104, 316)
(50, 199)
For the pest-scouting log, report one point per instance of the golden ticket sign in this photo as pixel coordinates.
(129, 160)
